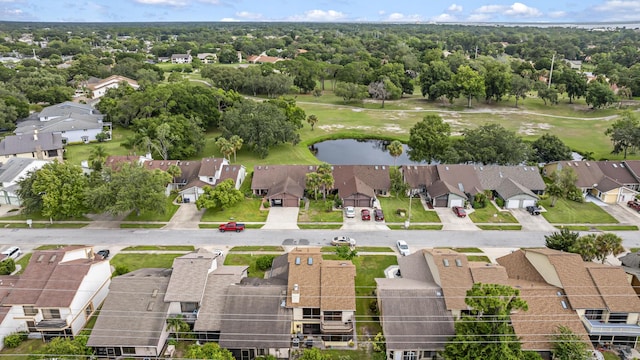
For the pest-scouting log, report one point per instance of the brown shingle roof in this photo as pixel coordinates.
(518, 267)
(213, 302)
(268, 176)
(288, 186)
(354, 186)
(189, 169)
(491, 176)
(488, 273)
(461, 176)
(440, 188)
(374, 176)
(612, 284)
(452, 275)
(338, 285)
(618, 171)
(305, 276)
(588, 172)
(418, 176)
(209, 166)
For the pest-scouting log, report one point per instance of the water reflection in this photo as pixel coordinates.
(358, 152)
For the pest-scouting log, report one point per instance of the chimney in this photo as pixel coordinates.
(35, 135)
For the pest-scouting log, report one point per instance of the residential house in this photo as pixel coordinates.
(359, 185)
(74, 122)
(518, 186)
(415, 321)
(419, 177)
(631, 266)
(99, 87)
(11, 172)
(262, 59)
(574, 64)
(57, 292)
(133, 319)
(47, 146)
(208, 58)
(604, 180)
(181, 58)
(281, 185)
(321, 294)
(599, 294)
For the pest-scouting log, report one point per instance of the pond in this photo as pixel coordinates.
(358, 152)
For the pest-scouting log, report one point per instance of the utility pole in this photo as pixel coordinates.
(551, 72)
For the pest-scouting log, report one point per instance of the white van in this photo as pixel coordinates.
(12, 252)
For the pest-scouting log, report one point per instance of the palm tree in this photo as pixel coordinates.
(97, 157)
(395, 150)
(312, 120)
(176, 323)
(608, 244)
(313, 182)
(555, 191)
(326, 178)
(174, 171)
(236, 142)
(225, 146)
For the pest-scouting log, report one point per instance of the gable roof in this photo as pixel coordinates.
(461, 176)
(67, 108)
(209, 166)
(189, 276)
(451, 271)
(213, 301)
(492, 176)
(189, 169)
(338, 285)
(95, 83)
(617, 171)
(268, 176)
(67, 122)
(353, 186)
(134, 312)
(304, 276)
(612, 284)
(374, 176)
(288, 186)
(588, 172)
(20, 144)
(634, 168)
(254, 318)
(14, 166)
(419, 175)
(439, 188)
(631, 259)
(510, 188)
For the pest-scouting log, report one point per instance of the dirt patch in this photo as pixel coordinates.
(341, 127)
(357, 110)
(533, 128)
(394, 128)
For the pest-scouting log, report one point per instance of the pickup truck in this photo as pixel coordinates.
(231, 226)
(533, 210)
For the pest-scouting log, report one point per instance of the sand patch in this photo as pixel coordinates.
(533, 128)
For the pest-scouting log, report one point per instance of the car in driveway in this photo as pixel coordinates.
(104, 253)
(459, 211)
(403, 248)
(634, 204)
(365, 214)
(350, 212)
(378, 215)
(533, 210)
(343, 240)
(11, 253)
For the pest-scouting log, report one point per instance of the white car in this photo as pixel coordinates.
(403, 247)
(350, 212)
(343, 240)
(12, 253)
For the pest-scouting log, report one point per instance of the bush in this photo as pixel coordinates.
(575, 195)
(120, 270)
(15, 339)
(480, 201)
(264, 262)
(7, 267)
(266, 204)
(500, 202)
(401, 212)
(338, 202)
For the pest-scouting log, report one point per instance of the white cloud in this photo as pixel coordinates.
(164, 2)
(557, 14)
(618, 10)
(249, 15)
(12, 12)
(478, 17)
(522, 10)
(228, 20)
(319, 15)
(400, 17)
(454, 8)
(489, 9)
(444, 17)
(213, 2)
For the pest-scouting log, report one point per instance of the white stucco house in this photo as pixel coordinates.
(11, 172)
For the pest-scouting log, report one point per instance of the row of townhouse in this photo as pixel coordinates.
(442, 185)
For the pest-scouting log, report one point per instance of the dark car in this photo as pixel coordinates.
(634, 204)
(366, 215)
(533, 210)
(103, 253)
(459, 211)
(378, 215)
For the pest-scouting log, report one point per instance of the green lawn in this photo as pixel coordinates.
(49, 247)
(374, 249)
(246, 259)
(65, 225)
(571, 212)
(257, 248)
(23, 351)
(246, 210)
(347, 354)
(78, 152)
(40, 217)
(601, 228)
(499, 227)
(141, 226)
(415, 227)
(478, 258)
(367, 269)
(140, 261)
(23, 262)
(160, 248)
(149, 215)
(320, 226)
(418, 213)
(467, 250)
(319, 211)
(491, 215)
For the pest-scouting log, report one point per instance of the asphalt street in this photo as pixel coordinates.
(415, 238)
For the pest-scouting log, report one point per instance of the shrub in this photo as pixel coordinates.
(500, 202)
(338, 202)
(575, 195)
(264, 262)
(266, 204)
(15, 339)
(120, 270)
(7, 267)
(480, 201)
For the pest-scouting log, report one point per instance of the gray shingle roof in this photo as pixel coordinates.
(69, 122)
(13, 167)
(509, 188)
(212, 308)
(189, 276)
(20, 144)
(491, 176)
(66, 108)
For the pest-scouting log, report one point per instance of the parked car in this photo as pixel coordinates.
(350, 212)
(104, 253)
(533, 210)
(459, 211)
(343, 240)
(634, 204)
(12, 253)
(378, 215)
(365, 214)
(403, 247)
(231, 226)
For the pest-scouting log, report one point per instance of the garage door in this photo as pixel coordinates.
(456, 202)
(513, 204)
(526, 203)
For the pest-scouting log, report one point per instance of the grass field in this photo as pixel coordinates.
(159, 248)
(491, 215)
(148, 215)
(391, 204)
(246, 259)
(319, 211)
(367, 269)
(257, 248)
(140, 261)
(571, 212)
(246, 210)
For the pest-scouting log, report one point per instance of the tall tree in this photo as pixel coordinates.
(568, 346)
(599, 95)
(492, 144)
(209, 350)
(548, 148)
(520, 86)
(395, 149)
(561, 240)
(350, 91)
(433, 74)
(486, 333)
(236, 141)
(225, 146)
(97, 157)
(608, 244)
(221, 196)
(585, 246)
(429, 139)
(313, 182)
(470, 83)
(497, 79)
(325, 171)
(576, 84)
(624, 133)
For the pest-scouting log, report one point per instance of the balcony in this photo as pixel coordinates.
(335, 327)
(595, 327)
(51, 325)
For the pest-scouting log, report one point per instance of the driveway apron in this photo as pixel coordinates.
(282, 218)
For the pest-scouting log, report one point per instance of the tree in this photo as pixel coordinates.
(429, 139)
(209, 350)
(549, 94)
(350, 91)
(384, 89)
(314, 354)
(608, 244)
(312, 120)
(65, 348)
(97, 157)
(624, 133)
(313, 182)
(568, 346)
(585, 247)
(492, 144)
(225, 146)
(176, 324)
(346, 252)
(562, 240)
(599, 95)
(520, 86)
(576, 84)
(221, 196)
(470, 83)
(398, 186)
(497, 79)
(486, 333)
(57, 190)
(175, 171)
(395, 149)
(431, 76)
(325, 172)
(236, 142)
(549, 148)
(130, 187)
(563, 184)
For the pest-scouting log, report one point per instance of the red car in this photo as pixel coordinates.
(459, 211)
(635, 205)
(365, 214)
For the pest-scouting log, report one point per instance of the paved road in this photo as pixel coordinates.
(417, 238)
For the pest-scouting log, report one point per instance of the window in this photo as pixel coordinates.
(333, 316)
(50, 314)
(311, 313)
(593, 314)
(618, 318)
(129, 350)
(30, 311)
(409, 355)
(188, 307)
(88, 310)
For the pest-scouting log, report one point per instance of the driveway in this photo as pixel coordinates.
(624, 214)
(282, 218)
(532, 222)
(357, 224)
(187, 217)
(451, 222)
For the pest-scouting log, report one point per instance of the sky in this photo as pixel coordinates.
(410, 11)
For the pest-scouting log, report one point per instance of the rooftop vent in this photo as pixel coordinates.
(150, 306)
(559, 293)
(383, 167)
(40, 258)
(376, 167)
(446, 168)
(295, 287)
(154, 293)
(614, 165)
(525, 169)
(438, 293)
(53, 258)
(590, 164)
